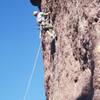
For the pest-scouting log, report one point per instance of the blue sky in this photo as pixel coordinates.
(19, 41)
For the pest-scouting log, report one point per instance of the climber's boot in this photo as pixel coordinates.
(51, 34)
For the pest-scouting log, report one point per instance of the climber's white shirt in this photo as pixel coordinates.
(40, 17)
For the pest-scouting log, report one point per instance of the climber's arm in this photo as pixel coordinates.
(46, 14)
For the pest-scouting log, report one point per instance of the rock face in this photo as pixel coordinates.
(72, 62)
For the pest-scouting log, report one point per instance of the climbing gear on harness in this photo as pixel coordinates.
(46, 25)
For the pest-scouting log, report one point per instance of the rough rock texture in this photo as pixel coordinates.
(72, 62)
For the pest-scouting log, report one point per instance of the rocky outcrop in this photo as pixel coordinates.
(36, 3)
(72, 62)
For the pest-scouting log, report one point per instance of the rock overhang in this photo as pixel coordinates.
(36, 2)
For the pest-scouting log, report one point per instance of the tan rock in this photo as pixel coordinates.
(74, 72)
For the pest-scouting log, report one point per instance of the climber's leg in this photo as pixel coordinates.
(49, 25)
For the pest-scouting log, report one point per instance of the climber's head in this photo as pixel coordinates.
(35, 13)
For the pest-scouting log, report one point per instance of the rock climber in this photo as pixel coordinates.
(43, 23)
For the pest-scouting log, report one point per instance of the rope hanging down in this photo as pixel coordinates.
(31, 75)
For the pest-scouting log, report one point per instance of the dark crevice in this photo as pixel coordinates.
(96, 20)
(47, 87)
(84, 97)
(84, 58)
(67, 75)
(54, 17)
(85, 16)
(53, 48)
(88, 92)
(76, 80)
(43, 46)
(98, 1)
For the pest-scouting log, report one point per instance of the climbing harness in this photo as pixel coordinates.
(32, 73)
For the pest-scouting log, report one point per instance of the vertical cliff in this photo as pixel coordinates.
(72, 62)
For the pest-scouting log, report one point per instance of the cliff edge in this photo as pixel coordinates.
(72, 62)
